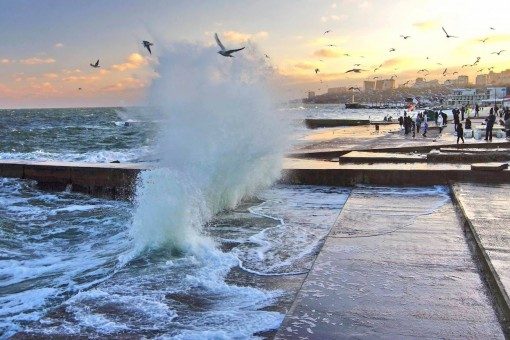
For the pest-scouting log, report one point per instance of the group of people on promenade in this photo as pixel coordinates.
(461, 121)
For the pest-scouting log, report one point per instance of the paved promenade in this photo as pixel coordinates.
(396, 264)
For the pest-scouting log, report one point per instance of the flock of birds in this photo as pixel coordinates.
(423, 72)
(223, 51)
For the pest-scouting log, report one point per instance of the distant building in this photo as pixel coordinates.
(369, 86)
(502, 78)
(385, 84)
(496, 92)
(462, 81)
(421, 83)
(337, 90)
(311, 94)
(460, 97)
(481, 80)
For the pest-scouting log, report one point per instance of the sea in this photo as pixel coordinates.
(67, 260)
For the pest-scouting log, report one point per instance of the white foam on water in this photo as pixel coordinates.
(222, 140)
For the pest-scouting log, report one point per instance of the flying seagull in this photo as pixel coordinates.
(331, 45)
(465, 65)
(405, 37)
(96, 65)
(407, 82)
(378, 67)
(317, 70)
(439, 64)
(355, 70)
(445, 72)
(394, 76)
(447, 35)
(480, 70)
(484, 40)
(423, 70)
(79, 88)
(267, 56)
(375, 78)
(328, 31)
(147, 45)
(347, 54)
(357, 64)
(224, 52)
(498, 53)
(491, 68)
(352, 88)
(476, 62)
(454, 73)
(392, 49)
(492, 28)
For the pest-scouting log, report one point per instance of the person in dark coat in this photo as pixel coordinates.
(490, 124)
(477, 109)
(456, 120)
(462, 112)
(468, 124)
(460, 133)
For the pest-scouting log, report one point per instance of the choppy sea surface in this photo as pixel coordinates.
(66, 261)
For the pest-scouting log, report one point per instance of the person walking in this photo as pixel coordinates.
(425, 128)
(477, 109)
(436, 117)
(456, 120)
(460, 133)
(462, 112)
(418, 123)
(490, 124)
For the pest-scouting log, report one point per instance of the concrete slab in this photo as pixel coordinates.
(395, 265)
(381, 157)
(486, 208)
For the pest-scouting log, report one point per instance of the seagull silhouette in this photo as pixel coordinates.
(352, 88)
(484, 40)
(454, 73)
(480, 70)
(394, 76)
(492, 28)
(498, 53)
(96, 65)
(375, 78)
(326, 32)
(491, 68)
(407, 82)
(357, 64)
(378, 67)
(331, 45)
(423, 70)
(267, 56)
(447, 35)
(79, 88)
(392, 49)
(405, 37)
(347, 54)
(147, 45)
(224, 52)
(465, 65)
(439, 64)
(317, 70)
(476, 62)
(445, 72)
(355, 70)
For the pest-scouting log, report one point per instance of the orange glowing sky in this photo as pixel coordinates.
(48, 44)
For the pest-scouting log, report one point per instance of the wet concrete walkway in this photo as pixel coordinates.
(396, 264)
(487, 209)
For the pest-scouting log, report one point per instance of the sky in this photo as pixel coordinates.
(46, 45)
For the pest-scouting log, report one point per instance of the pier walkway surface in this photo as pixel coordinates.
(487, 211)
(396, 264)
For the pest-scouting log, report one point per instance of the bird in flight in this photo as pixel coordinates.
(480, 70)
(357, 64)
(445, 72)
(392, 49)
(347, 54)
(355, 70)
(267, 56)
(79, 88)
(465, 65)
(317, 70)
(491, 68)
(331, 45)
(407, 82)
(375, 78)
(326, 32)
(405, 37)
(423, 70)
(498, 53)
(352, 88)
(96, 65)
(224, 52)
(492, 28)
(447, 35)
(439, 64)
(147, 45)
(378, 67)
(454, 73)
(394, 76)
(476, 62)
(484, 40)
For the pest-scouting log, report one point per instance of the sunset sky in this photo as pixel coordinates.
(46, 46)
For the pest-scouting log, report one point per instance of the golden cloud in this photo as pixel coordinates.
(134, 61)
(37, 61)
(327, 53)
(239, 37)
(304, 65)
(427, 25)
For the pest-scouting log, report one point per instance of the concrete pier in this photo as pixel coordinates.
(486, 211)
(98, 179)
(395, 265)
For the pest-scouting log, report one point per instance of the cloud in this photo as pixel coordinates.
(333, 17)
(51, 75)
(134, 61)
(37, 61)
(239, 37)
(392, 62)
(304, 65)
(327, 53)
(427, 25)
(5, 61)
(87, 79)
(127, 83)
(59, 45)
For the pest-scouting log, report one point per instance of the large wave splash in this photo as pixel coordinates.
(222, 140)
